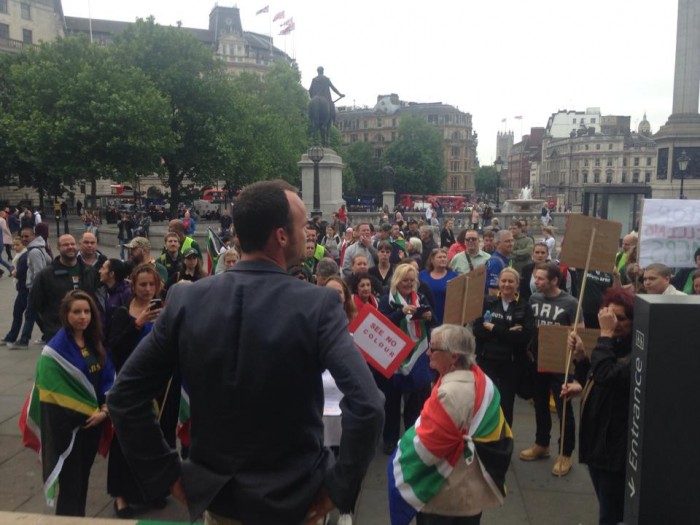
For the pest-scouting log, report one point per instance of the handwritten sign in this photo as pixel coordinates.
(669, 233)
(382, 343)
(551, 346)
(577, 238)
(464, 301)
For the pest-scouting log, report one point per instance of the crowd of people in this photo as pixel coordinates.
(270, 337)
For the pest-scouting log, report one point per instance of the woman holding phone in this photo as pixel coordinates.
(130, 324)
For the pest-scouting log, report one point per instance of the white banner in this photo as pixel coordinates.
(670, 232)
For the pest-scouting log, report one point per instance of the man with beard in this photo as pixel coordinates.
(140, 252)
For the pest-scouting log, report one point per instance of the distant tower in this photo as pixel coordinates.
(644, 127)
(504, 143)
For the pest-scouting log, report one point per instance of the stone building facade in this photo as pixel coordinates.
(379, 126)
(28, 23)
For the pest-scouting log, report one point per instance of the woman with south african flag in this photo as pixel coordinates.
(65, 416)
(451, 465)
(408, 309)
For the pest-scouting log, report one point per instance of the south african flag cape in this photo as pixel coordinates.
(428, 452)
(59, 403)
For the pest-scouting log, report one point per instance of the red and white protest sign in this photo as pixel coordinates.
(382, 343)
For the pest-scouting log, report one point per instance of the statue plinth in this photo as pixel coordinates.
(330, 182)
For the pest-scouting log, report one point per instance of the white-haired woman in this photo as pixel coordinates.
(410, 311)
(437, 469)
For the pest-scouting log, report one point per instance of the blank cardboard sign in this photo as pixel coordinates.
(465, 297)
(574, 248)
(551, 348)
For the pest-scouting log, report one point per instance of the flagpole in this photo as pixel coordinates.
(90, 20)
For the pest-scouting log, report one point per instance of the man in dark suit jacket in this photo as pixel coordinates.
(251, 345)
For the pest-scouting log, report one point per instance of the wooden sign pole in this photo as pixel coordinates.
(568, 353)
(464, 302)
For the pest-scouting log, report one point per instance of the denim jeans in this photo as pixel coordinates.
(17, 311)
(28, 324)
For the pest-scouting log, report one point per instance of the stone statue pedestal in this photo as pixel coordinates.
(330, 182)
(389, 200)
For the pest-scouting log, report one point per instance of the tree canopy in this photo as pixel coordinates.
(485, 180)
(417, 157)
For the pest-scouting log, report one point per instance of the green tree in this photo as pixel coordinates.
(202, 104)
(270, 127)
(365, 167)
(74, 112)
(417, 157)
(485, 180)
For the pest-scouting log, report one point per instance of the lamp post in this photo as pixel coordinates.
(315, 153)
(683, 166)
(499, 166)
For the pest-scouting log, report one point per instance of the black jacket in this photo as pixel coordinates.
(251, 344)
(605, 404)
(502, 343)
(51, 285)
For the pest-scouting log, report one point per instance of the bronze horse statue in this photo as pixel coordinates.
(320, 117)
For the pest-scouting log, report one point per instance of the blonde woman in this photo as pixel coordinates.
(409, 310)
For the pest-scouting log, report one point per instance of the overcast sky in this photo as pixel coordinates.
(494, 59)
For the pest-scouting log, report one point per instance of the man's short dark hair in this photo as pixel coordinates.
(120, 269)
(553, 271)
(260, 209)
(386, 227)
(488, 233)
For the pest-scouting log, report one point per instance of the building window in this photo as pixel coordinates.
(378, 153)
(379, 122)
(366, 137)
(609, 163)
(4, 31)
(648, 161)
(583, 121)
(455, 151)
(26, 11)
(453, 182)
(432, 119)
(597, 163)
(353, 137)
(393, 123)
(624, 177)
(585, 177)
(365, 124)
(586, 147)
(27, 36)
(573, 121)
(608, 176)
(593, 121)
(3, 6)
(596, 177)
(624, 161)
(609, 146)
(454, 165)
(636, 161)
(635, 177)
(647, 177)
(585, 163)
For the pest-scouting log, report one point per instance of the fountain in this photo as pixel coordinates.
(524, 203)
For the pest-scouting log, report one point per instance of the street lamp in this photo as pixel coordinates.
(682, 166)
(499, 166)
(315, 153)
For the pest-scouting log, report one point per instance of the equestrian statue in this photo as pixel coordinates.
(322, 105)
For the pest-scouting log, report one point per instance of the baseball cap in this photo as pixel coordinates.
(138, 242)
(188, 252)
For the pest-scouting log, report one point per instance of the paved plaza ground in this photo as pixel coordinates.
(535, 496)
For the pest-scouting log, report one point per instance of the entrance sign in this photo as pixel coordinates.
(382, 343)
(574, 249)
(669, 233)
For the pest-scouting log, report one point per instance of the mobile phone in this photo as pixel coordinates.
(156, 304)
(420, 311)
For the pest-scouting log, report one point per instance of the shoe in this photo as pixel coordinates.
(562, 466)
(18, 345)
(125, 513)
(5, 342)
(534, 452)
(39, 341)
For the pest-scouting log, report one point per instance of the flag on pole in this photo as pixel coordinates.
(278, 16)
(288, 29)
(214, 246)
(519, 117)
(287, 22)
(265, 9)
(504, 120)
